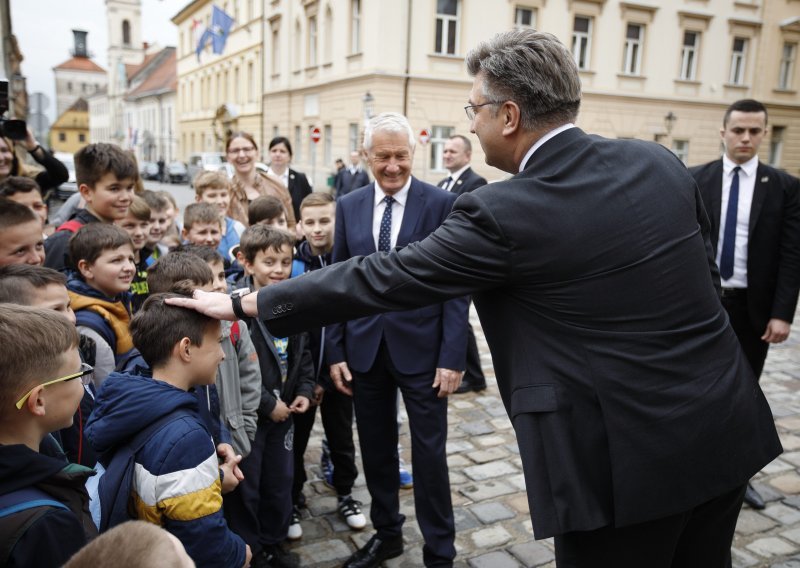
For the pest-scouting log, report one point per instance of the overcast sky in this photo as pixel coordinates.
(44, 31)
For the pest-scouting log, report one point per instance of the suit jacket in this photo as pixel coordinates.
(418, 340)
(773, 245)
(347, 182)
(593, 275)
(466, 182)
(298, 189)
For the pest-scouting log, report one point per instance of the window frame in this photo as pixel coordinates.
(738, 68)
(632, 51)
(582, 42)
(787, 64)
(442, 31)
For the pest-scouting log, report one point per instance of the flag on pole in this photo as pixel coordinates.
(221, 24)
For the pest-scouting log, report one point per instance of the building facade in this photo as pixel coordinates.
(70, 132)
(78, 77)
(655, 70)
(219, 94)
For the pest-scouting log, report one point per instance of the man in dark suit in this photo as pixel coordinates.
(755, 231)
(456, 156)
(352, 177)
(422, 352)
(638, 418)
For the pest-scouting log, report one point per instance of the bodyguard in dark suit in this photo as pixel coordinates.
(755, 231)
(352, 177)
(638, 418)
(456, 157)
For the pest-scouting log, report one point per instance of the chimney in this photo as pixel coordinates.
(80, 43)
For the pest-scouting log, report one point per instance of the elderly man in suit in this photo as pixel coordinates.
(352, 177)
(755, 231)
(456, 156)
(638, 418)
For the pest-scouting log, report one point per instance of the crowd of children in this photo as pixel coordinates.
(212, 417)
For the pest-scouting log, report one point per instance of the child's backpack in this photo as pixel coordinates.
(110, 490)
(72, 226)
(19, 510)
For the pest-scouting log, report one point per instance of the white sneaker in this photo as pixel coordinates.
(350, 511)
(295, 529)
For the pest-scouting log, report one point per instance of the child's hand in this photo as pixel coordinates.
(228, 455)
(300, 405)
(230, 480)
(281, 412)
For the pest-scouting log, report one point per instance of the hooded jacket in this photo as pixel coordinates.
(57, 534)
(176, 481)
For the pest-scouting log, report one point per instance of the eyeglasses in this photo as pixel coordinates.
(83, 374)
(249, 150)
(471, 112)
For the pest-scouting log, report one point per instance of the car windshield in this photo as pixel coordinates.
(214, 159)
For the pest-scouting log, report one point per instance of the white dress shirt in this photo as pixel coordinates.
(454, 178)
(541, 141)
(284, 177)
(398, 209)
(747, 184)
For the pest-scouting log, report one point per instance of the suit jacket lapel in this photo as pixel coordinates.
(412, 214)
(715, 193)
(366, 209)
(759, 195)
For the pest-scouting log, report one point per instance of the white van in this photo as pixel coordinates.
(204, 162)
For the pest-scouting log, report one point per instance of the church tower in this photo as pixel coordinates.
(124, 41)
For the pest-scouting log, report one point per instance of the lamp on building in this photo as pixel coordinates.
(367, 100)
(669, 121)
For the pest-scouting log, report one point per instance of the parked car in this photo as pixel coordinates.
(148, 170)
(69, 187)
(177, 172)
(204, 162)
(227, 167)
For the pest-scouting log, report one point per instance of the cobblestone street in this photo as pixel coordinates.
(493, 527)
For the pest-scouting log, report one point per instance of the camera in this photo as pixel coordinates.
(14, 129)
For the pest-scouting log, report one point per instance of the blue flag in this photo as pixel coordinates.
(204, 38)
(221, 24)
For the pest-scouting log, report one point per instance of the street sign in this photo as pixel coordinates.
(315, 135)
(424, 136)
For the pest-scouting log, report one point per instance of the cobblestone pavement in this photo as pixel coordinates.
(493, 526)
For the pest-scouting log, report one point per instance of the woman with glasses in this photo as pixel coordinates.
(248, 182)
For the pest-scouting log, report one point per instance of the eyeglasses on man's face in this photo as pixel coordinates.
(84, 375)
(471, 109)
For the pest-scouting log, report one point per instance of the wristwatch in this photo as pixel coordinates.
(236, 302)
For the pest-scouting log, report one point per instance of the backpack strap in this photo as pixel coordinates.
(27, 506)
(97, 323)
(235, 334)
(72, 226)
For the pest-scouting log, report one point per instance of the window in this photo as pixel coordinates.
(328, 31)
(69, 87)
(251, 83)
(355, 26)
(126, 32)
(632, 58)
(776, 145)
(738, 55)
(447, 12)
(691, 41)
(787, 65)
(328, 143)
(581, 41)
(62, 136)
(276, 60)
(298, 43)
(354, 137)
(237, 90)
(298, 143)
(81, 137)
(312, 41)
(524, 18)
(681, 149)
(439, 135)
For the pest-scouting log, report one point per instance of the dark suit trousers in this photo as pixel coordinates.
(375, 400)
(474, 373)
(260, 508)
(337, 420)
(698, 538)
(755, 349)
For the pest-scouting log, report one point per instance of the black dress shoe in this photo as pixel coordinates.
(467, 386)
(752, 498)
(375, 551)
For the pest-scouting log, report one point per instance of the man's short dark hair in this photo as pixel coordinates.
(95, 238)
(264, 208)
(13, 214)
(745, 105)
(157, 327)
(94, 161)
(19, 281)
(18, 184)
(263, 237)
(465, 140)
(178, 269)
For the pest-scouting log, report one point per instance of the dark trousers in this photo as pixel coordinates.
(755, 349)
(375, 401)
(337, 420)
(698, 538)
(474, 373)
(260, 508)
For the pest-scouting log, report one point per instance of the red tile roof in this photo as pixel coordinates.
(81, 64)
(162, 78)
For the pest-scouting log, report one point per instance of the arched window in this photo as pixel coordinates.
(126, 32)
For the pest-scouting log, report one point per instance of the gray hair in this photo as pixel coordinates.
(388, 122)
(532, 69)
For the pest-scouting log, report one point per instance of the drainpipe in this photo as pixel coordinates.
(407, 78)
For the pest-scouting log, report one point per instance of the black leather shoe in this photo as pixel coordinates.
(467, 386)
(375, 551)
(752, 498)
